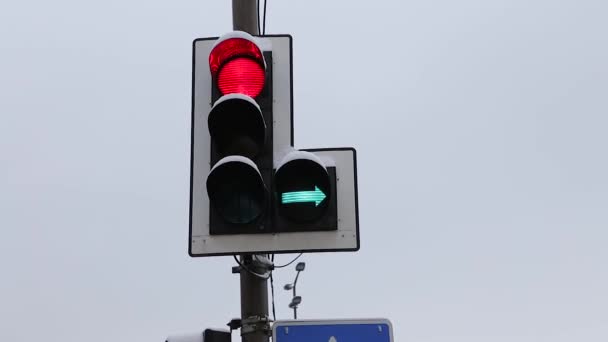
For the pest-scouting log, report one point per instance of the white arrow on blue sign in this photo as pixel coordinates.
(353, 330)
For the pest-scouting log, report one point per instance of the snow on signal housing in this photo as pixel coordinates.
(237, 64)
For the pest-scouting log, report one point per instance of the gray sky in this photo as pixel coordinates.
(481, 135)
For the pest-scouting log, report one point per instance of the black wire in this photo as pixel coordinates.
(289, 263)
(257, 5)
(264, 20)
(274, 314)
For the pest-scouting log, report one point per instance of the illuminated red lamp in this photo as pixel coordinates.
(237, 64)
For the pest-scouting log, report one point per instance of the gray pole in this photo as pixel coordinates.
(245, 16)
(295, 308)
(254, 289)
(254, 301)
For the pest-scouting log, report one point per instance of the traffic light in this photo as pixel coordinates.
(240, 127)
(243, 189)
(208, 335)
(251, 190)
(305, 194)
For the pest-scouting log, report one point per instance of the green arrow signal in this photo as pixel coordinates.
(316, 196)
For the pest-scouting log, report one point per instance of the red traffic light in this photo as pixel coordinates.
(237, 64)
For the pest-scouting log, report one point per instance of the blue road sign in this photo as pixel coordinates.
(359, 330)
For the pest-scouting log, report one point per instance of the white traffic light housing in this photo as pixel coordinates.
(209, 335)
(251, 191)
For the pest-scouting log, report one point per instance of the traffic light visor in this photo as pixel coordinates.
(237, 126)
(237, 65)
(236, 189)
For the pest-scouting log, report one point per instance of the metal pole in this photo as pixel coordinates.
(245, 16)
(295, 308)
(254, 289)
(254, 302)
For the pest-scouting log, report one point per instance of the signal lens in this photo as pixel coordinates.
(241, 75)
(237, 126)
(236, 189)
(238, 66)
(303, 186)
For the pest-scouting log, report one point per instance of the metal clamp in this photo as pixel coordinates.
(254, 324)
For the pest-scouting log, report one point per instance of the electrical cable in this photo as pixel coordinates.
(263, 276)
(264, 20)
(289, 263)
(257, 5)
(274, 313)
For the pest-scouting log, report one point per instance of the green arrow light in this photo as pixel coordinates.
(316, 196)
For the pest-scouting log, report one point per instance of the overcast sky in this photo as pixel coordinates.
(481, 131)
